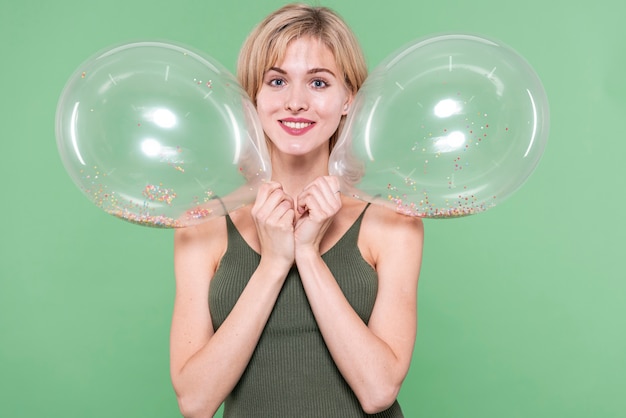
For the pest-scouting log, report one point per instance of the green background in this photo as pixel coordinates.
(521, 308)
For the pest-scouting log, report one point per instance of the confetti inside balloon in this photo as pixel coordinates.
(160, 135)
(447, 126)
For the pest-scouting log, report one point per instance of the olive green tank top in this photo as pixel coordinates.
(291, 372)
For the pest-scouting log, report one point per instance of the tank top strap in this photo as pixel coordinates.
(360, 218)
(351, 236)
(236, 242)
(357, 224)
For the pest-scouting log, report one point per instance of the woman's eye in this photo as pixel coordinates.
(319, 84)
(277, 82)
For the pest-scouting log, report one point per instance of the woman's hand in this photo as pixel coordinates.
(317, 205)
(273, 213)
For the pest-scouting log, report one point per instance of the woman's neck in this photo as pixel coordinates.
(296, 172)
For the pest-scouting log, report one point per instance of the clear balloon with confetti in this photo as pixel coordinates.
(160, 135)
(447, 126)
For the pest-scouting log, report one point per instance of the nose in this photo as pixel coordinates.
(296, 100)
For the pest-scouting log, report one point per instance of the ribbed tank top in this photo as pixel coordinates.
(291, 372)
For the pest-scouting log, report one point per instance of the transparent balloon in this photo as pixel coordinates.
(160, 135)
(448, 126)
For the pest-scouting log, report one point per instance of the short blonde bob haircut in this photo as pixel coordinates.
(267, 43)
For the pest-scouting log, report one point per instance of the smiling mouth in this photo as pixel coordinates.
(296, 125)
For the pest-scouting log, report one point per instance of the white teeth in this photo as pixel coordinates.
(296, 125)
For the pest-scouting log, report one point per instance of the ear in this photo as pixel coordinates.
(347, 104)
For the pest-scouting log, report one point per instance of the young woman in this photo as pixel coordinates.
(303, 304)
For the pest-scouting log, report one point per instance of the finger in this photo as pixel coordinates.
(302, 205)
(288, 218)
(284, 210)
(266, 189)
(309, 199)
(268, 199)
(322, 194)
(334, 183)
(315, 206)
(329, 186)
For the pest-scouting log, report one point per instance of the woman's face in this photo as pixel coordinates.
(302, 98)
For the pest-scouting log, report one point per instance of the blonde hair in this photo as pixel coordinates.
(267, 43)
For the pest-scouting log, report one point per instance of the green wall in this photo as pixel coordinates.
(522, 308)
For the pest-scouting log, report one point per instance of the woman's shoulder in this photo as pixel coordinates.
(384, 230)
(381, 219)
(211, 236)
(202, 232)
(202, 243)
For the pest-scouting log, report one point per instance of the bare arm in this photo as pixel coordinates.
(375, 358)
(206, 365)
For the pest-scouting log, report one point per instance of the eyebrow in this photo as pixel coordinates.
(311, 71)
